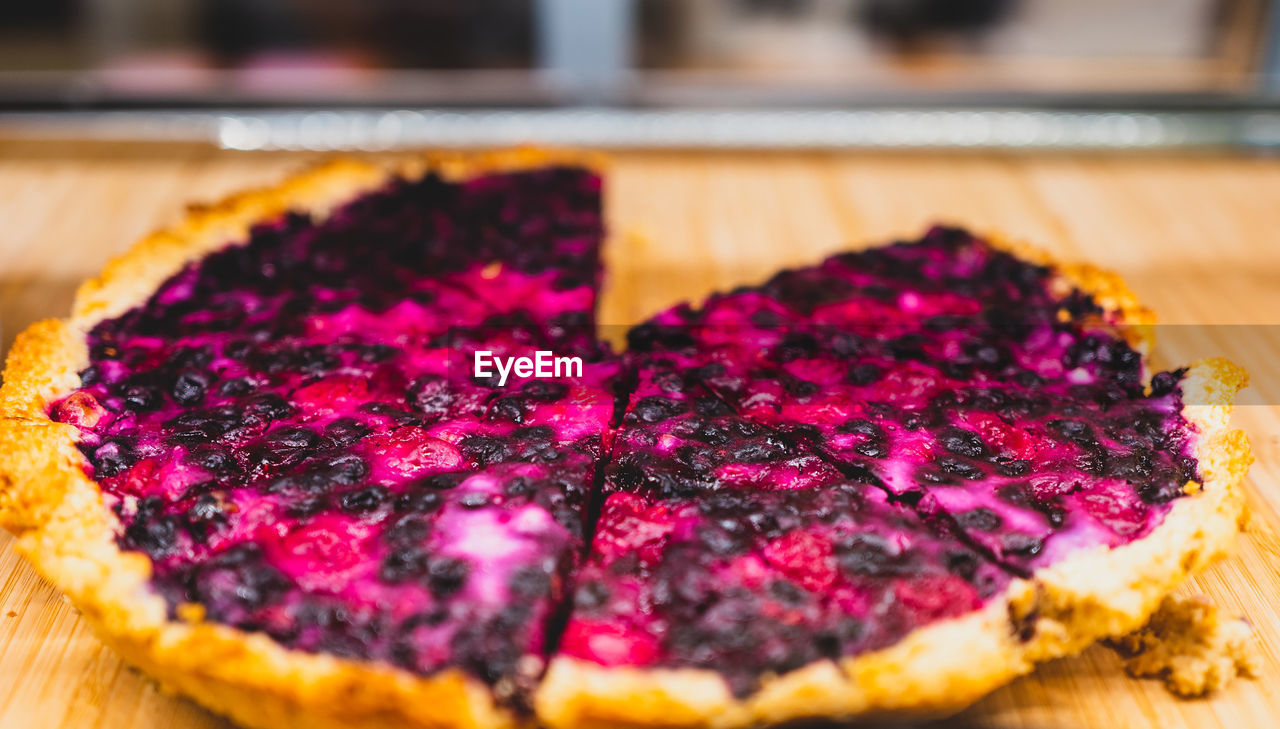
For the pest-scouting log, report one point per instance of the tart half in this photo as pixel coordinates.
(259, 459)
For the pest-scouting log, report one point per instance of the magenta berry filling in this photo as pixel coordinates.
(746, 580)
(946, 373)
(810, 468)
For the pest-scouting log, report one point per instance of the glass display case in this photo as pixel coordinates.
(659, 70)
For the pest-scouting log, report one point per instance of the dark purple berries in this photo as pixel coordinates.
(189, 388)
(655, 409)
(960, 467)
(1074, 431)
(347, 469)
(205, 516)
(403, 564)
(446, 575)
(365, 500)
(484, 449)
(530, 582)
(432, 397)
(292, 439)
(112, 457)
(142, 398)
(153, 531)
(345, 431)
(981, 519)
(962, 442)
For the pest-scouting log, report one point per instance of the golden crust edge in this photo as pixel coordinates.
(932, 670)
(1107, 593)
(66, 532)
(1070, 600)
(1108, 289)
(936, 669)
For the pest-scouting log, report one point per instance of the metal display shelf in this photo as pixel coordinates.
(905, 128)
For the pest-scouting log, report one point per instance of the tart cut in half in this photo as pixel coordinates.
(259, 458)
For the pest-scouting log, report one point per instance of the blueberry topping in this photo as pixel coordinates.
(806, 469)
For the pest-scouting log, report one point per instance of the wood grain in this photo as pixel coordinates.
(1198, 238)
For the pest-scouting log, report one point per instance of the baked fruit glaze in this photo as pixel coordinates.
(810, 468)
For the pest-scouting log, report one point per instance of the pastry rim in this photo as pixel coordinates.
(63, 529)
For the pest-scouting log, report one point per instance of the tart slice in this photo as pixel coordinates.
(260, 462)
(739, 605)
(995, 400)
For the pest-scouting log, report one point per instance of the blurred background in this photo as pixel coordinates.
(743, 136)
(325, 74)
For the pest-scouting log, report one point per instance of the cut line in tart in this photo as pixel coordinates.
(258, 460)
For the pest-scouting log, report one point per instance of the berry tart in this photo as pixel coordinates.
(258, 458)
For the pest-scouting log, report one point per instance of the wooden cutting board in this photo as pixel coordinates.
(1198, 239)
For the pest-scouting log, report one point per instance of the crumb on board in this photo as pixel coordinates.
(1190, 646)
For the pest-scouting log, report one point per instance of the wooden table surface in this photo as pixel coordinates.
(1198, 239)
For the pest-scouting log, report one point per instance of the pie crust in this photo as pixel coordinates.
(64, 529)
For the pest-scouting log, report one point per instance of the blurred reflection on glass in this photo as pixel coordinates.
(431, 52)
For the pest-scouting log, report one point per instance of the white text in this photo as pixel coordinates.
(543, 363)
